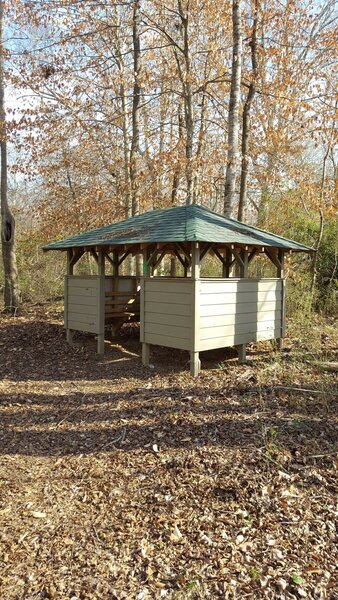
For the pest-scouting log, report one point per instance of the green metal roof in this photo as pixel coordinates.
(179, 224)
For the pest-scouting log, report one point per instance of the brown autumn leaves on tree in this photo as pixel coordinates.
(132, 106)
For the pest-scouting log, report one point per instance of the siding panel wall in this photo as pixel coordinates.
(239, 311)
(82, 305)
(166, 313)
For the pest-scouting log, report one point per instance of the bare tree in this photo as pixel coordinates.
(11, 289)
(246, 118)
(234, 104)
(135, 138)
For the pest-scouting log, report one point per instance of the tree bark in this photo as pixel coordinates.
(135, 138)
(188, 103)
(246, 119)
(234, 104)
(11, 287)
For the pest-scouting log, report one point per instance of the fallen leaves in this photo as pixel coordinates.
(164, 486)
(37, 514)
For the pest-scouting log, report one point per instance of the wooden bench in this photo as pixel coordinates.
(121, 307)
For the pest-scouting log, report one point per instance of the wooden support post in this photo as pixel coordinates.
(70, 271)
(243, 272)
(147, 269)
(280, 273)
(245, 263)
(241, 349)
(70, 335)
(195, 260)
(116, 263)
(226, 266)
(195, 364)
(101, 300)
(70, 266)
(145, 354)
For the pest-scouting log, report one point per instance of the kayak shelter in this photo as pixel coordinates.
(189, 312)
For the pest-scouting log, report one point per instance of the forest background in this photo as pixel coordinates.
(115, 108)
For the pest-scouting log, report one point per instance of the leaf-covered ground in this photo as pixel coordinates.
(118, 481)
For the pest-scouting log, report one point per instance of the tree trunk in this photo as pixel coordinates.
(234, 104)
(135, 139)
(11, 288)
(188, 103)
(246, 119)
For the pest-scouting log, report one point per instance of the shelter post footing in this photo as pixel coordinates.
(145, 354)
(100, 343)
(195, 364)
(69, 335)
(241, 349)
(279, 344)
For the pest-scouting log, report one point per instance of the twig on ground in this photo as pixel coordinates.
(295, 389)
(119, 439)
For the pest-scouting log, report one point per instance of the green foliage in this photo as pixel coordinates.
(297, 579)
(41, 275)
(255, 574)
(305, 229)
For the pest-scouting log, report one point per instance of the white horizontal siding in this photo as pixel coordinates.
(82, 303)
(244, 338)
(173, 298)
(166, 319)
(239, 297)
(164, 308)
(240, 317)
(240, 308)
(78, 325)
(233, 312)
(239, 328)
(166, 313)
(167, 341)
(82, 309)
(170, 330)
(173, 286)
(75, 281)
(82, 299)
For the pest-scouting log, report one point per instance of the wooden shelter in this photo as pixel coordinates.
(189, 312)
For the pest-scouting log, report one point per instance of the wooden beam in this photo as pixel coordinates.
(110, 260)
(102, 299)
(272, 254)
(226, 267)
(77, 253)
(205, 251)
(152, 257)
(124, 256)
(195, 260)
(252, 254)
(145, 354)
(185, 252)
(238, 257)
(95, 255)
(69, 262)
(182, 261)
(195, 364)
(280, 269)
(219, 255)
(157, 262)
